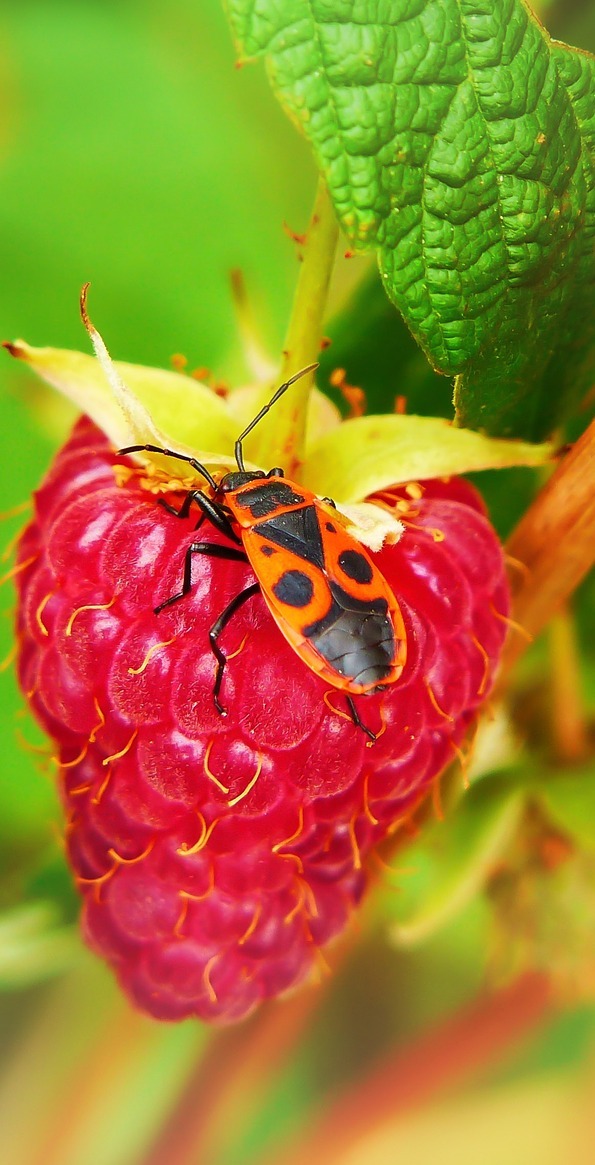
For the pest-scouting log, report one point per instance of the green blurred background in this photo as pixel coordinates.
(135, 155)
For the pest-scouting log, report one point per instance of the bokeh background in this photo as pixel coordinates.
(135, 155)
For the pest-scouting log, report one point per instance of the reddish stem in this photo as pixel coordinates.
(229, 1081)
(472, 1041)
(555, 540)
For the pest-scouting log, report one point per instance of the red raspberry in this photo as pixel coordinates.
(216, 856)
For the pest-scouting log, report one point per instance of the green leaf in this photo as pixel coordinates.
(367, 454)
(370, 341)
(450, 862)
(448, 132)
(569, 799)
(34, 946)
(546, 376)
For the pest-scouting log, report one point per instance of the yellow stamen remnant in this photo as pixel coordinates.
(331, 707)
(323, 966)
(206, 978)
(516, 564)
(294, 858)
(87, 607)
(209, 890)
(486, 665)
(294, 836)
(239, 649)
(100, 723)
(39, 612)
(299, 904)
(511, 623)
(309, 898)
(413, 489)
(352, 394)
(10, 545)
(368, 812)
(15, 510)
(253, 924)
(71, 764)
(131, 861)
(103, 786)
(80, 789)
(18, 568)
(371, 743)
(118, 755)
(10, 658)
(357, 860)
(437, 535)
(136, 671)
(249, 786)
(436, 705)
(396, 871)
(463, 761)
(97, 882)
(208, 773)
(182, 915)
(186, 851)
(41, 749)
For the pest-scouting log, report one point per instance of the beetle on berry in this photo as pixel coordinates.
(329, 600)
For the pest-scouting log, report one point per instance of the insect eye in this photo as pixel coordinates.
(276, 472)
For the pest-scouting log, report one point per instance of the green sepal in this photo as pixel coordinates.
(184, 412)
(451, 861)
(166, 408)
(367, 454)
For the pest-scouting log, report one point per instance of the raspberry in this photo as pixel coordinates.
(216, 856)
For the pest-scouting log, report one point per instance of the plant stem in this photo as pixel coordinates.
(555, 540)
(232, 1078)
(303, 337)
(569, 729)
(449, 1055)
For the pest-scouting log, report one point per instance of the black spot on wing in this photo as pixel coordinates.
(265, 498)
(297, 531)
(268, 550)
(294, 588)
(356, 566)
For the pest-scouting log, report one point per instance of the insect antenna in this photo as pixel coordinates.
(196, 465)
(239, 456)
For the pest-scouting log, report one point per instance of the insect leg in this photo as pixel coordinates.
(184, 509)
(215, 551)
(214, 634)
(219, 516)
(356, 720)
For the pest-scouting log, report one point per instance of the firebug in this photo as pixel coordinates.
(329, 600)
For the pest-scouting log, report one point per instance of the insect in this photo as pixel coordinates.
(329, 600)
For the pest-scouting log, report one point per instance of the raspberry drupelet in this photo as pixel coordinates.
(216, 855)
